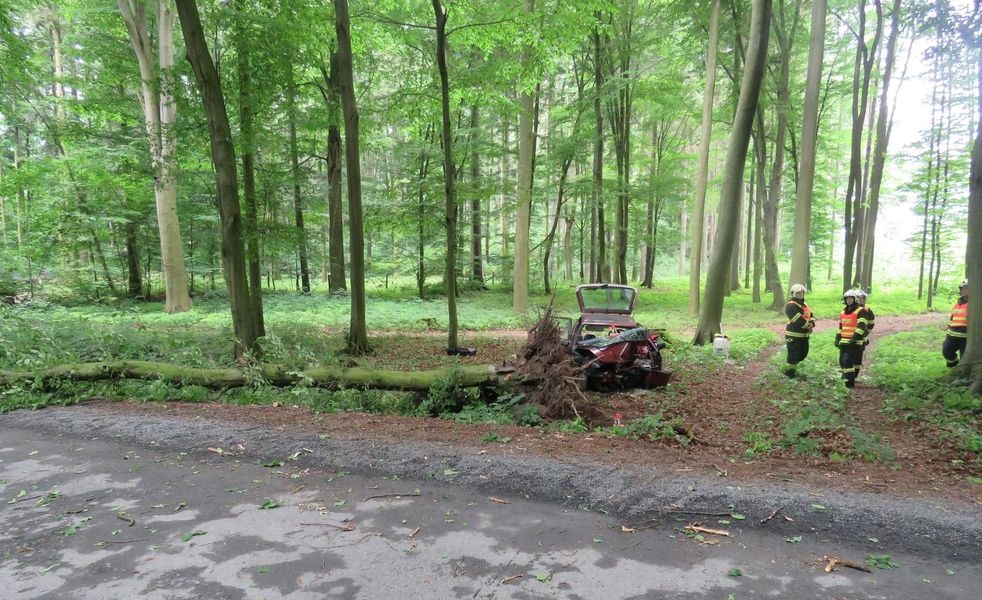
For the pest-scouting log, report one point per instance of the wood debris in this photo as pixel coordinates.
(834, 561)
(772, 515)
(499, 500)
(698, 529)
(511, 578)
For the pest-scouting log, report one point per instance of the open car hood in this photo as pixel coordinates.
(606, 298)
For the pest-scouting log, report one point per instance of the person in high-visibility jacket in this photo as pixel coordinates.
(850, 338)
(870, 322)
(799, 328)
(954, 343)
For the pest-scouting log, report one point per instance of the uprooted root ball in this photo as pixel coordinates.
(550, 375)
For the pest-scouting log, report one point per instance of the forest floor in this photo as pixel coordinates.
(718, 411)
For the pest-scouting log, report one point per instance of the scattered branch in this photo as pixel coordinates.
(772, 515)
(835, 561)
(415, 493)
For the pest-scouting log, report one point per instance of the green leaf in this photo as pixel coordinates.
(737, 516)
(881, 561)
(268, 504)
(544, 577)
(187, 536)
(735, 572)
(597, 541)
(272, 463)
(818, 507)
(263, 570)
(450, 472)
(795, 539)
(75, 527)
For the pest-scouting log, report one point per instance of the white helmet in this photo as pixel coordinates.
(849, 294)
(860, 293)
(964, 284)
(797, 288)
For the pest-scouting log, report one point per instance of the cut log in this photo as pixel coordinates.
(322, 377)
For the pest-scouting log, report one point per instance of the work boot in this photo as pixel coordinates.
(791, 373)
(850, 383)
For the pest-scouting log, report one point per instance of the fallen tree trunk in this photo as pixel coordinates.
(322, 377)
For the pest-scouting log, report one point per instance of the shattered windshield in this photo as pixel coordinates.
(614, 299)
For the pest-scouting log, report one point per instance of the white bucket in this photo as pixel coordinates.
(721, 346)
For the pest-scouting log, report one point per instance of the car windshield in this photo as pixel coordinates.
(615, 299)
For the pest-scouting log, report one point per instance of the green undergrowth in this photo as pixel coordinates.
(918, 386)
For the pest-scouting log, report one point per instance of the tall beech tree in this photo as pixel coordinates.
(697, 222)
(855, 207)
(246, 324)
(160, 112)
(450, 200)
(970, 366)
(805, 190)
(526, 164)
(357, 342)
(710, 315)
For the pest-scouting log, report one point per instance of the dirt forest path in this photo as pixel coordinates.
(922, 462)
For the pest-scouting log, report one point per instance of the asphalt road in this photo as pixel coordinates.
(102, 507)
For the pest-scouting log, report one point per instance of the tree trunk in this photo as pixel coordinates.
(805, 193)
(295, 174)
(160, 112)
(697, 222)
(134, 279)
(769, 213)
(450, 200)
(970, 366)
(335, 209)
(248, 141)
(526, 163)
(221, 379)
(421, 210)
(358, 330)
(862, 75)
(598, 246)
(736, 158)
(784, 37)
(551, 235)
(223, 158)
(884, 124)
(477, 229)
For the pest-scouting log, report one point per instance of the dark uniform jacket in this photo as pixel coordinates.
(800, 319)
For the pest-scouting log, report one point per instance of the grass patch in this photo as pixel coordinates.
(911, 370)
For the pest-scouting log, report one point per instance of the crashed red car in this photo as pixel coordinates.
(614, 350)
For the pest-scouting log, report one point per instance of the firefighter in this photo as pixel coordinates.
(870, 322)
(954, 343)
(851, 335)
(799, 328)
